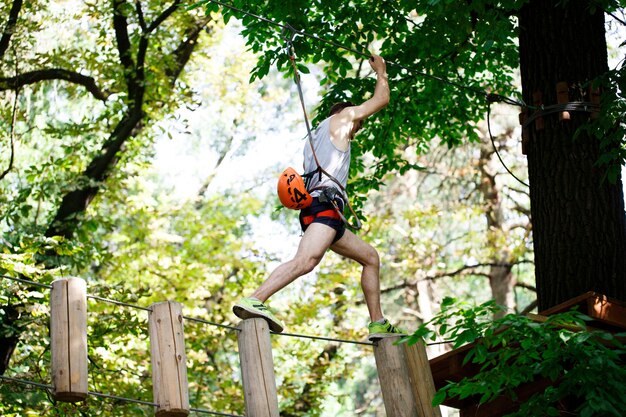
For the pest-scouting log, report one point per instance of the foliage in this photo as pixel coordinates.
(137, 241)
(425, 47)
(585, 367)
(609, 128)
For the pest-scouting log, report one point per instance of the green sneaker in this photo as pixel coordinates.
(381, 330)
(248, 308)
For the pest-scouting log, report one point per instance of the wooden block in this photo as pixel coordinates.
(421, 379)
(405, 379)
(562, 97)
(68, 339)
(523, 116)
(257, 368)
(169, 362)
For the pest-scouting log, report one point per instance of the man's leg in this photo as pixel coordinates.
(353, 247)
(314, 243)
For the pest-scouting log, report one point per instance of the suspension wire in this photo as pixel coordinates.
(119, 303)
(109, 396)
(95, 394)
(215, 413)
(329, 339)
(25, 281)
(355, 342)
(224, 326)
(199, 320)
(582, 106)
(496, 97)
(493, 143)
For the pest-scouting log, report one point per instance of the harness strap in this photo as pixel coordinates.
(307, 220)
(319, 169)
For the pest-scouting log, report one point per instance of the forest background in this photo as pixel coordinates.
(141, 143)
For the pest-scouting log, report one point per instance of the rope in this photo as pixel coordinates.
(583, 106)
(25, 281)
(321, 170)
(493, 143)
(95, 394)
(113, 397)
(356, 342)
(224, 326)
(119, 303)
(215, 413)
(330, 339)
(199, 320)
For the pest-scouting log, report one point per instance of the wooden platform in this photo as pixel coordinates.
(607, 314)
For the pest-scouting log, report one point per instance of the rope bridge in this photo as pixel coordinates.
(404, 371)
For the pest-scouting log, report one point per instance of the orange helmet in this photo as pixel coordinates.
(291, 190)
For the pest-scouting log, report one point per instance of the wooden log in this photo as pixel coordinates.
(421, 379)
(68, 339)
(257, 368)
(405, 379)
(169, 362)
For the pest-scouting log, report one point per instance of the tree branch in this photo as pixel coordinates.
(10, 26)
(32, 77)
(529, 307)
(458, 271)
(616, 18)
(466, 267)
(77, 201)
(163, 16)
(142, 20)
(120, 24)
(184, 50)
(12, 137)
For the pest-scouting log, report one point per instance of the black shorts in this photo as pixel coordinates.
(317, 207)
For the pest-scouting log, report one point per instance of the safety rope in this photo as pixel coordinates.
(320, 169)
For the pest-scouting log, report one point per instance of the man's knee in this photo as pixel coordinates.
(371, 257)
(306, 264)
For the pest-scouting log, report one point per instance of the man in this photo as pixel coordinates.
(323, 228)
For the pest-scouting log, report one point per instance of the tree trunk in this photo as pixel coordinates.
(75, 202)
(579, 227)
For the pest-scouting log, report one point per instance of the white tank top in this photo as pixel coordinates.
(331, 159)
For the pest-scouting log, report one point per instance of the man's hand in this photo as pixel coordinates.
(378, 64)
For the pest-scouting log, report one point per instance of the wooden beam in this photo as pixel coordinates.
(169, 362)
(257, 368)
(68, 339)
(405, 379)
(421, 379)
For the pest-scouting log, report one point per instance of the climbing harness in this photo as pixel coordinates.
(328, 193)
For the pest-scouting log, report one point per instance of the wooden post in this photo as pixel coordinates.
(169, 362)
(421, 379)
(257, 368)
(405, 379)
(68, 339)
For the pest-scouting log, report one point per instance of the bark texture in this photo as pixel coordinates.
(578, 217)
